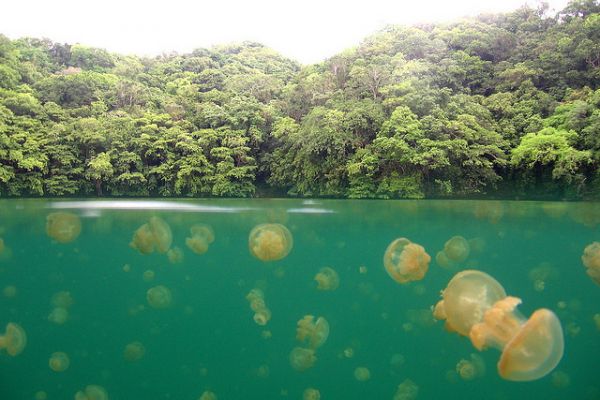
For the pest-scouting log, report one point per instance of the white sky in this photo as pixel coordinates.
(306, 30)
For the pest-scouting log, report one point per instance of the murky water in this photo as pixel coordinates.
(207, 339)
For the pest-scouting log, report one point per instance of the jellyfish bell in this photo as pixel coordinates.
(530, 348)
(457, 249)
(327, 279)
(468, 295)
(64, 227)
(14, 339)
(405, 261)
(59, 361)
(314, 332)
(302, 359)
(155, 235)
(270, 242)
(591, 260)
(159, 297)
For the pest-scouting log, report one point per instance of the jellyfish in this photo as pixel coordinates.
(443, 261)
(327, 279)
(202, 236)
(134, 351)
(155, 235)
(591, 260)
(58, 315)
(263, 371)
(208, 395)
(148, 275)
(457, 249)
(530, 348)
(311, 394)
(270, 242)
(262, 317)
(542, 274)
(597, 320)
(362, 374)
(14, 339)
(62, 299)
(9, 291)
(470, 369)
(405, 261)
(560, 379)
(315, 333)
(40, 395)
(407, 390)
(63, 227)
(92, 392)
(262, 314)
(159, 297)
(302, 359)
(175, 255)
(59, 361)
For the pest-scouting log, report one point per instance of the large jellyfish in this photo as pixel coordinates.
(475, 305)
(327, 279)
(314, 332)
(14, 339)
(591, 260)
(155, 235)
(59, 361)
(159, 297)
(405, 261)
(202, 236)
(302, 359)
(63, 227)
(270, 242)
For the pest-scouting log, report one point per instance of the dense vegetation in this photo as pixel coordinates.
(500, 105)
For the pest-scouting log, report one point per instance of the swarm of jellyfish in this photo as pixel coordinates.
(313, 334)
(475, 305)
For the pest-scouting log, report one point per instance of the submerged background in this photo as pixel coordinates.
(207, 339)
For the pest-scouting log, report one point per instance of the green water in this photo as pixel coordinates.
(207, 339)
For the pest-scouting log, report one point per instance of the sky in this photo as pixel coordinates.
(308, 31)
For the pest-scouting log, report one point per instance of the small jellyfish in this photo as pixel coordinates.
(148, 275)
(560, 379)
(327, 279)
(530, 348)
(407, 390)
(159, 297)
(58, 315)
(315, 332)
(542, 274)
(134, 351)
(443, 261)
(62, 299)
(270, 242)
(396, 362)
(302, 359)
(40, 395)
(14, 339)
(457, 249)
(591, 260)
(262, 317)
(362, 374)
(597, 321)
(208, 395)
(92, 392)
(262, 314)
(59, 361)
(202, 236)
(311, 394)
(471, 369)
(405, 261)
(263, 371)
(175, 255)
(63, 227)
(9, 291)
(155, 235)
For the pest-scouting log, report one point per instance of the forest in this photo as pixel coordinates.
(498, 106)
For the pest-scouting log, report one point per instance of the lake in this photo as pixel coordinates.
(164, 299)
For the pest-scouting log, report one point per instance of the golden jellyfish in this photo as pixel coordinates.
(407, 390)
(302, 359)
(59, 361)
(14, 339)
(58, 315)
(208, 395)
(40, 395)
(62, 299)
(530, 348)
(362, 374)
(470, 369)
(92, 392)
(270, 242)
(560, 379)
(591, 260)
(457, 249)
(148, 275)
(202, 236)
(262, 314)
(443, 261)
(263, 371)
(175, 255)
(159, 297)
(134, 351)
(542, 274)
(64, 227)
(314, 332)
(327, 279)
(9, 291)
(405, 261)
(155, 235)
(311, 394)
